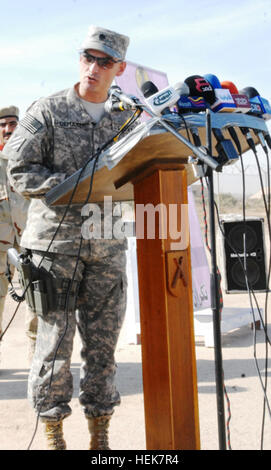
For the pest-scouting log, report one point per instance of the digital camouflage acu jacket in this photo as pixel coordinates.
(54, 140)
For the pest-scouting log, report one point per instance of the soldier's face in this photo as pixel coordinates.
(7, 126)
(95, 80)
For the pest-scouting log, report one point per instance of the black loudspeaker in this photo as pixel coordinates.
(236, 258)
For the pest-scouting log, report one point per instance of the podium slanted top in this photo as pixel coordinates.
(147, 146)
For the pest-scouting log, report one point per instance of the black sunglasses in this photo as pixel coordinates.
(103, 62)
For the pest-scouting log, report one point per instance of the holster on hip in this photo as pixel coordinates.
(41, 291)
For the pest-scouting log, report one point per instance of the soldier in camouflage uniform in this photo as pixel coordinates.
(55, 139)
(13, 212)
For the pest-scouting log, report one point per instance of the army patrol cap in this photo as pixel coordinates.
(9, 111)
(104, 40)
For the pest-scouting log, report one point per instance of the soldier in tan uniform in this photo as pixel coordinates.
(13, 212)
(57, 137)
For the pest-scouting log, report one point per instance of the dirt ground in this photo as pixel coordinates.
(241, 357)
(246, 374)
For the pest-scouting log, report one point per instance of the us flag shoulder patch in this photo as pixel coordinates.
(16, 142)
(31, 124)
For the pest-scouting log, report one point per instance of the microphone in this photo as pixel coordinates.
(200, 93)
(203, 94)
(161, 101)
(120, 101)
(224, 101)
(199, 86)
(228, 101)
(240, 99)
(224, 107)
(150, 92)
(230, 86)
(260, 108)
(242, 106)
(208, 88)
(250, 92)
(255, 108)
(189, 104)
(213, 80)
(225, 148)
(255, 99)
(148, 89)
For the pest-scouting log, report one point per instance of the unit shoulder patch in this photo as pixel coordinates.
(16, 142)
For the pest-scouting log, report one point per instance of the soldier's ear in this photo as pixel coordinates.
(122, 67)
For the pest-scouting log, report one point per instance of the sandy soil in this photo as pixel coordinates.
(17, 420)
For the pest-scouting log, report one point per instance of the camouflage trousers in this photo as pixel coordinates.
(30, 317)
(3, 284)
(3, 278)
(100, 285)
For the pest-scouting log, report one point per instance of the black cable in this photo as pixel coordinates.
(240, 260)
(208, 246)
(233, 249)
(220, 309)
(263, 384)
(186, 127)
(95, 157)
(22, 297)
(251, 292)
(10, 321)
(267, 208)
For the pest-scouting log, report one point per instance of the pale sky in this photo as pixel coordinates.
(40, 41)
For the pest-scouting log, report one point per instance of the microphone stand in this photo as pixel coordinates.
(200, 152)
(215, 296)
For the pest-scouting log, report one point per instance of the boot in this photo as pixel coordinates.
(54, 435)
(98, 428)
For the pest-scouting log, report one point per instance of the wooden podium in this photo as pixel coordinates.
(166, 318)
(155, 172)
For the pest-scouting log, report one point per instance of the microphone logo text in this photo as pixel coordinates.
(162, 98)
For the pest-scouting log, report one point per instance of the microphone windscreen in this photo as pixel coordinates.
(249, 91)
(182, 88)
(213, 80)
(230, 86)
(148, 89)
(199, 86)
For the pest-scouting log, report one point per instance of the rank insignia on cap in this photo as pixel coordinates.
(16, 142)
(107, 41)
(31, 124)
